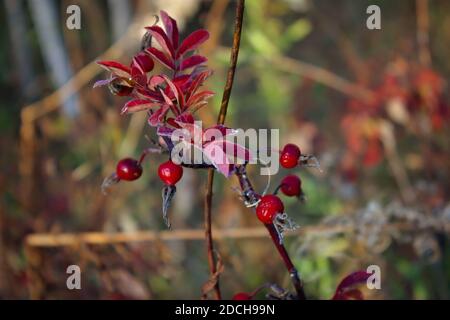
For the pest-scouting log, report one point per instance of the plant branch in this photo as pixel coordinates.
(221, 120)
(251, 197)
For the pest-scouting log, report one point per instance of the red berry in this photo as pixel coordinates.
(289, 156)
(269, 206)
(128, 169)
(242, 296)
(291, 186)
(170, 173)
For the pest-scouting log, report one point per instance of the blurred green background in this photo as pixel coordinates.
(372, 105)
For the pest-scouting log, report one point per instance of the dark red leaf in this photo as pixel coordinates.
(145, 93)
(161, 57)
(354, 278)
(138, 105)
(196, 83)
(173, 123)
(173, 92)
(192, 41)
(158, 115)
(345, 285)
(142, 62)
(192, 61)
(171, 28)
(185, 118)
(139, 78)
(201, 96)
(155, 81)
(161, 37)
(116, 68)
(182, 81)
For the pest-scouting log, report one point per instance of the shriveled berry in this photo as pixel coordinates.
(170, 173)
(269, 206)
(119, 88)
(128, 169)
(242, 296)
(291, 186)
(289, 156)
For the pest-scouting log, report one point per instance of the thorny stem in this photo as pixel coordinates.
(221, 120)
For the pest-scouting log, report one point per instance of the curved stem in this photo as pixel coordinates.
(221, 120)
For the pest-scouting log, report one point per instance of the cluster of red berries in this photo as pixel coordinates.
(129, 169)
(271, 205)
(268, 207)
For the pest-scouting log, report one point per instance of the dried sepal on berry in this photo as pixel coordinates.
(308, 160)
(168, 193)
(108, 182)
(282, 223)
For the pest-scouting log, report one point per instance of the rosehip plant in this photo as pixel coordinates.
(171, 100)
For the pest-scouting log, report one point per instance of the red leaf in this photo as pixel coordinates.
(137, 105)
(192, 41)
(182, 81)
(218, 158)
(197, 106)
(116, 68)
(185, 118)
(171, 28)
(154, 81)
(161, 57)
(145, 93)
(142, 62)
(192, 61)
(173, 123)
(345, 285)
(173, 89)
(201, 96)
(161, 37)
(196, 83)
(158, 115)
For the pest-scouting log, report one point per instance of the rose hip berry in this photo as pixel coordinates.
(242, 296)
(291, 186)
(128, 169)
(269, 206)
(289, 156)
(170, 173)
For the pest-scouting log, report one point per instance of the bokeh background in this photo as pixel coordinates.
(372, 105)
